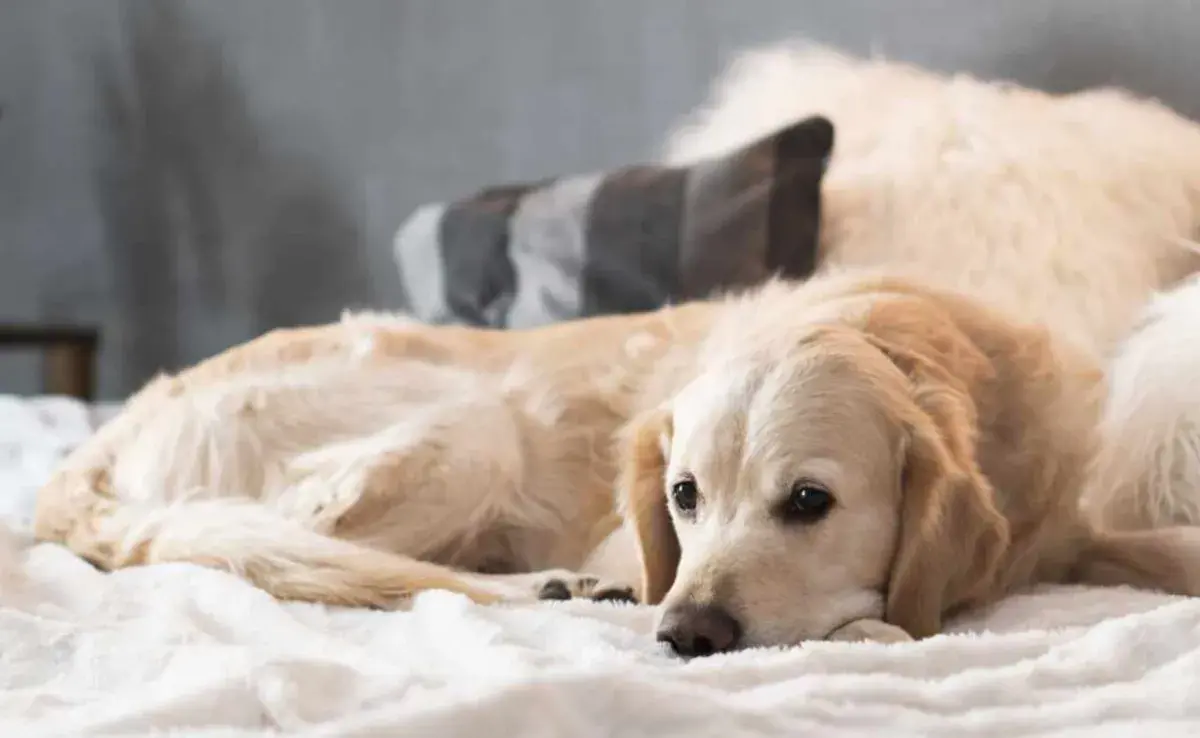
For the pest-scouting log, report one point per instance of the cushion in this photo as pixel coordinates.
(632, 239)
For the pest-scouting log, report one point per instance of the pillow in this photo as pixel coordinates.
(633, 239)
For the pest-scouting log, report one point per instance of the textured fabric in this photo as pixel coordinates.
(176, 649)
(633, 239)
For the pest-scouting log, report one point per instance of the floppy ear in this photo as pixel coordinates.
(952, 537)
(644, 503)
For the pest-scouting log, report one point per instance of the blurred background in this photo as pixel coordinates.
(186, 174)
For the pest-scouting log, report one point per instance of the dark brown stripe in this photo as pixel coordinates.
(633, 231)
(794, 215)
(726, 228)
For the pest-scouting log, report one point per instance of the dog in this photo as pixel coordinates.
(856, 457)
(860, 459)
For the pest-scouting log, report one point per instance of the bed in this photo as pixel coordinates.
(179, 649)
(199, 652)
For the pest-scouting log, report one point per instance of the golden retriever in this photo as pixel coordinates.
(359, 462)
(860, 458)
(855, 457)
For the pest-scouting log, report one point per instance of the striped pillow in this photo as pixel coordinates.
(629, 240)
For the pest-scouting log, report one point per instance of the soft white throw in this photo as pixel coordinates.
(184, 650)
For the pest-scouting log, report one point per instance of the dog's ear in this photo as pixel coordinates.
(644, 502)
(952, 537)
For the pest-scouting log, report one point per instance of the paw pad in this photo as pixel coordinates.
(555, 589)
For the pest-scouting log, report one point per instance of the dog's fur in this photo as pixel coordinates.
(1149, 468)
(360, 462)
(1065, 209)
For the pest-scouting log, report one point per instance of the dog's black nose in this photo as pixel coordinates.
(699, 630)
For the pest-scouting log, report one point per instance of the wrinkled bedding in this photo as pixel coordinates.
(178, 649)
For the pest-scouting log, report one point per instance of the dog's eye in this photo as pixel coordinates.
(685, 495)
(807, 503)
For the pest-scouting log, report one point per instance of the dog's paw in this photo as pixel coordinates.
(618, 593)
(869, 630)
(569, 586)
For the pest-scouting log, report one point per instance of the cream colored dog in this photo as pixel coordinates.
(854, 457)
(1066, 209)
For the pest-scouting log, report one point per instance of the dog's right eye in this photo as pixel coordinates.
(685, 495)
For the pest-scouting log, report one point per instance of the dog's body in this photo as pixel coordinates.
(362, 462)
(474, 449)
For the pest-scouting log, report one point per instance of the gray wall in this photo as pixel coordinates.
(189, 173)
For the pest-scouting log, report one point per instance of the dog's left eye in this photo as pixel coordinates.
(807, 503)
(686, 496)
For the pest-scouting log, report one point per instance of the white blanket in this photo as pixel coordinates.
(185, 649)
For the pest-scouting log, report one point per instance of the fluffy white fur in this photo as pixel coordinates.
(1069, 209)
(1151, 462)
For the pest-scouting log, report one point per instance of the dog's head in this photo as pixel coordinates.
(826, 476)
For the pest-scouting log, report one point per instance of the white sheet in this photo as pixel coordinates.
(84, 654)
